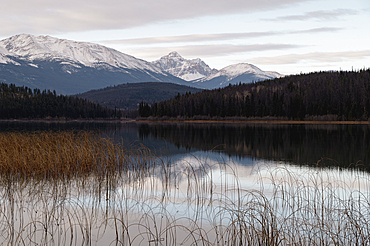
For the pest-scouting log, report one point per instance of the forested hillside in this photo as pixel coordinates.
(330, 95)
(128, 96)
(22, 102)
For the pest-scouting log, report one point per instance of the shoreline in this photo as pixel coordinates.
(228, 121)
(294, 122)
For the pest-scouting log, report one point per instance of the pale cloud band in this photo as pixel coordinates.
(204, 51)
(331, 57)
(317, 15)
(214, 37)
(191, 38)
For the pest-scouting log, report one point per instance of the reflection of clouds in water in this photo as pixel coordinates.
(202, 191)
(205, 166)
(201, 158)
(344, 184)
(198, 174)
(220, 172)
(191, 176)
(204, 186)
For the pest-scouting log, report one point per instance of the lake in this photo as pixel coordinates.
(205, 184)
(296, 144)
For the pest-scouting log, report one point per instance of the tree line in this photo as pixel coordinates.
(343, 95)
(22, 102)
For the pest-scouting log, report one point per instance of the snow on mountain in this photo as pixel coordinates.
(188, 70)
(235, 70)
(233, 74)
(31, 48)
(3, 56)
(200, 74)
(71, 67)
(5, 60)
(274, 74)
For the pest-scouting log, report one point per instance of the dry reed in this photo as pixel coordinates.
(64, 154)
(116, 196)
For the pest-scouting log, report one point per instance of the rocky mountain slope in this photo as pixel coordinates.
(200, 74)
(234, 74)
(71, 67)
(188, 70)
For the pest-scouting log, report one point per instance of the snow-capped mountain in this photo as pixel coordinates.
(71, 67)
(234, 74)
(188, 70)
(200, 74)
(88, 54)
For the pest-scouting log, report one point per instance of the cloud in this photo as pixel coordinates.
(213, 37)
(191, 38)
(45, 16)
(207, 50)
(317, 15)
(330, 57)
(318, 30)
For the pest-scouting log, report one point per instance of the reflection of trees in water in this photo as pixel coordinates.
(300, 144)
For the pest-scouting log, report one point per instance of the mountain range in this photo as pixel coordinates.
(200, 74)
(71, 67)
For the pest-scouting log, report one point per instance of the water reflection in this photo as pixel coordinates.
(193, 200)
(296, 144)
(192, 193)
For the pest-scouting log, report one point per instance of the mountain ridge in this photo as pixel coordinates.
(200, 74)
(234, 74)
(71, 67)
(187, 69)
(88, 54)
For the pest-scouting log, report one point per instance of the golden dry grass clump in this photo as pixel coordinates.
(64, 154)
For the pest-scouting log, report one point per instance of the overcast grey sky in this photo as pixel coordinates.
(287, 36)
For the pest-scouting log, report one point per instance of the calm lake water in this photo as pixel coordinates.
(212, 184)
(346, 145)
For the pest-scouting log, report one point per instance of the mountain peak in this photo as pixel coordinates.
(236, 73)
(174, 54)
(239, 68)
(188, 70)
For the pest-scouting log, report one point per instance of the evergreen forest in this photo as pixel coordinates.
(333, 95)
(22, 102)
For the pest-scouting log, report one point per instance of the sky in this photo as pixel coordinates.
(286, 36)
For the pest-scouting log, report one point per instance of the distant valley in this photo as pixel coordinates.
(128, 96)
